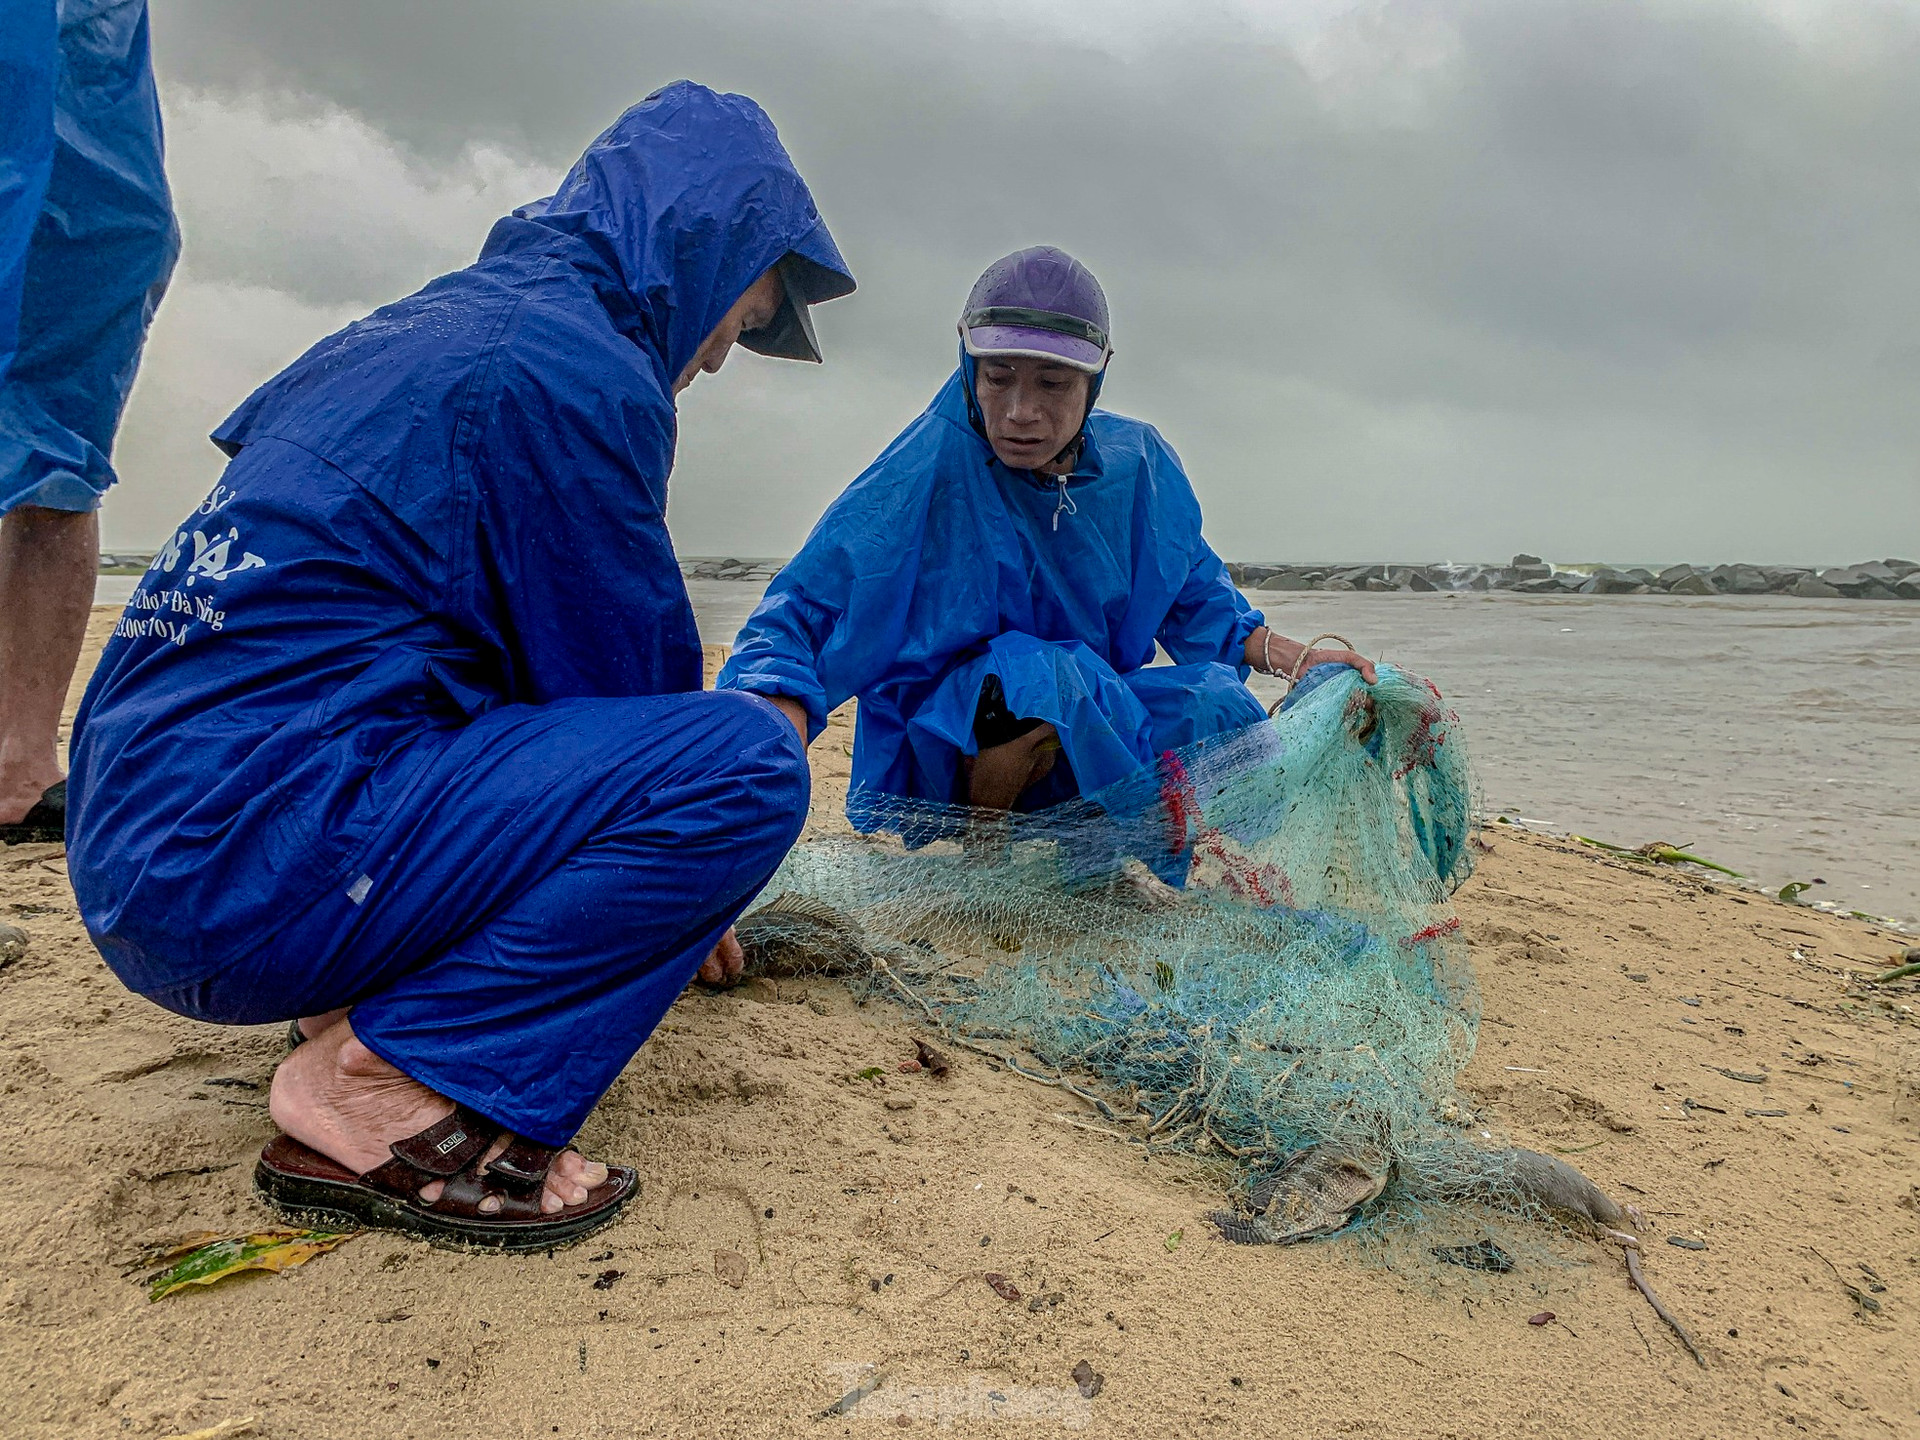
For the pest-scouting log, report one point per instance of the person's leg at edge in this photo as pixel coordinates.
(48, 561)
(531, 1017)
(312, 1025)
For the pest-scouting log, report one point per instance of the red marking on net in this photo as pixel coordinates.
(1432, 932)
(1422, 743)
(1177, 795)
(1245, 877)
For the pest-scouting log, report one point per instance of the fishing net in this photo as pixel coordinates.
(1301, 988)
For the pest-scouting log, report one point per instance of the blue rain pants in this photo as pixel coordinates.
(87, 240)
(554, 878)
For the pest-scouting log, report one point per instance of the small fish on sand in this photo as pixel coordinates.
(792, 936)
(1316, 1192)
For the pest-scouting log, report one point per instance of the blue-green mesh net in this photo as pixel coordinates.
(1306, 985)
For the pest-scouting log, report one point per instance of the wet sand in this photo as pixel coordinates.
(867, 1212)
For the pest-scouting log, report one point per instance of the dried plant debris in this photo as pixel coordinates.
(203, 1258)
(239, 1425)
(1002, 1286)
(1866, 1303)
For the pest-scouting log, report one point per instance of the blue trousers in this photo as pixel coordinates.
(542, 895)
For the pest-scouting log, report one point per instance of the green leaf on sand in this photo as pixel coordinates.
(275, 1249)
(1173, 1240)
(1658, 853)
(1793, 890)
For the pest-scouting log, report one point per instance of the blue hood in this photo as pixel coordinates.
(684, 202)
(611, 285)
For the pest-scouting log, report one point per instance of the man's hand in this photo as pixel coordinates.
(1341, 657)
(724, 965)
(1287, 658)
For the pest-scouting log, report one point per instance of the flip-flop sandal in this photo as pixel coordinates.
(307, 1186)
(45, 823)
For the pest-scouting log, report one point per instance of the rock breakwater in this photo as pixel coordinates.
(1530, 575)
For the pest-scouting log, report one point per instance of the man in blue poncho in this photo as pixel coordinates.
(87, 243)
(403, 733)
(993, 587)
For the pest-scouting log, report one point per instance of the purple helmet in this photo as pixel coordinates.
(1039, 302)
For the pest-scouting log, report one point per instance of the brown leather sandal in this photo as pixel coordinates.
(306, 1185)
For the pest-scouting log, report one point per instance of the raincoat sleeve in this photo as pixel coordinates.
(574, 556)
(836, 617)
(778, 651)
(1209, 619)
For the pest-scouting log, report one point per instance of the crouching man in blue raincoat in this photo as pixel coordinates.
(403, 732)
(993, 587)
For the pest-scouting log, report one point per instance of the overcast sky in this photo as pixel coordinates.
(1592, 278)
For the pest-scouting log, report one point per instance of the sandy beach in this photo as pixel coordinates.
(1623, 1007)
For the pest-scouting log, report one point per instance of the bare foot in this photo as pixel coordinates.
(336, 1096)
(20, 793)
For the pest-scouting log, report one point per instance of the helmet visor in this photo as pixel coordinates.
(1037, 334)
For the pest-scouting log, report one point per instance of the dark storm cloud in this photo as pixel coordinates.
(1596, 277)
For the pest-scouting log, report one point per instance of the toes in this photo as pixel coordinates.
(577, 1169)
(570, 1181)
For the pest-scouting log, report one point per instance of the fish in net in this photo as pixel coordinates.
(1248, 952)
